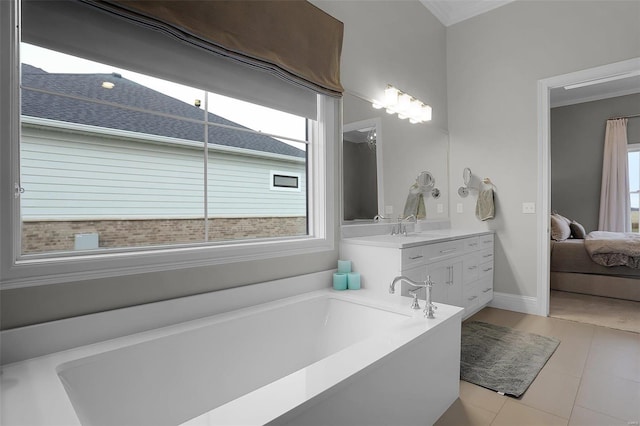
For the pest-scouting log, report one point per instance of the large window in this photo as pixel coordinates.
(123, 160)
(634, 185)
(129, 151)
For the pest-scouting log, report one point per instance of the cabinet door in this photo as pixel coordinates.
(447, 278)
(440, 275)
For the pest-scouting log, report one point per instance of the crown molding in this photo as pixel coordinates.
(452, 12)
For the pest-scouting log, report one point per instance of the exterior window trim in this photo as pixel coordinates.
(272, 181)
(15, 273)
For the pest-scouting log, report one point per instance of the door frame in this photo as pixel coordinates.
(544, 161)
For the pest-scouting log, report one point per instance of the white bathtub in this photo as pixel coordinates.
(325, 357)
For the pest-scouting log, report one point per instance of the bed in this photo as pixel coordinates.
(572, 269)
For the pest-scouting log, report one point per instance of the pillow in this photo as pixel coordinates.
(577, 230)
(559, 216)
(560, 229)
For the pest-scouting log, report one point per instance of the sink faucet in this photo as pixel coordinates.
(426, 284)
(400, 228)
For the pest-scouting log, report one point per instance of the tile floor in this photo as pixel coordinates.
(592, 379)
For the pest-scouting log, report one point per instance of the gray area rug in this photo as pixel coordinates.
(502, 359)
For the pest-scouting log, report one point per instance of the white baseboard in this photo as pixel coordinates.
(516, 303)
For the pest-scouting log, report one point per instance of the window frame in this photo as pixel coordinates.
(274, 187)
(16, 272)
(635, 147)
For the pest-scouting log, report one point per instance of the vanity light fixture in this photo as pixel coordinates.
(405, 105)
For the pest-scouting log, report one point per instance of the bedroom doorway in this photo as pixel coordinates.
(588, 80)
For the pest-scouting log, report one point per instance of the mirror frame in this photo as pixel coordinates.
(377, 124)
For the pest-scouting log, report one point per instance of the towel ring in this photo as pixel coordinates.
(487, 181)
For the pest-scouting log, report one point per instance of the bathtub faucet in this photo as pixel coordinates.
(426, 284)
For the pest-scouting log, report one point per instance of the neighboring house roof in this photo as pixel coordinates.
(131, 94)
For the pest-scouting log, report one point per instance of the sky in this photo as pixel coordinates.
(250, 115)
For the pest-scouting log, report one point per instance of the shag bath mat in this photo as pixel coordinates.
(502, 359)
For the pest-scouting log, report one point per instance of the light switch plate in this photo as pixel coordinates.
(459, 207)
(440, 208)
(528, 208)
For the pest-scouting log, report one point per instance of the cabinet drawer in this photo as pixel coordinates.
(470, 268)
(485, 271)
(485, 291)
(471, 296)
(486, 255)
(471, 244)
(486, 241)
(412, 256)
(445, 250)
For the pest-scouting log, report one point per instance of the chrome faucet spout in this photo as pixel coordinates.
(392, 286)
(426, 284)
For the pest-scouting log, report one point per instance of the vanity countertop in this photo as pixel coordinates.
(413, 239)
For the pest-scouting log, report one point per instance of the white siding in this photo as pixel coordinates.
(75, 176)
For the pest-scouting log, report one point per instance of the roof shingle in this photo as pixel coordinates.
(131, 94)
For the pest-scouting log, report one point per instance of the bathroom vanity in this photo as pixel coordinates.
(460, 263)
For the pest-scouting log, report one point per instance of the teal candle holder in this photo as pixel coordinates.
(344, 266)
(339, 281)
(353, 281)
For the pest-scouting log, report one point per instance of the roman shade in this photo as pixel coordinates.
(115, 34)
(291, 38)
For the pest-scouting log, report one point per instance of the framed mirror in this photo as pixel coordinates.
(402, 151)
(362, 170)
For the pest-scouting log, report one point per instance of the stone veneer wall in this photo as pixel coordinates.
(47, 236)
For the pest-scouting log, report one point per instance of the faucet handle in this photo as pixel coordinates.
(415, 304)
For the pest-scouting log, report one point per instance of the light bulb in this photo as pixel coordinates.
(404, 103)
(415, 109)
(426, 113)
(390, 96)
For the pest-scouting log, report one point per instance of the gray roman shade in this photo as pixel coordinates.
(280, 54)
(290, 37)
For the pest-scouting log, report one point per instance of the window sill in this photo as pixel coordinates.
(43, 271)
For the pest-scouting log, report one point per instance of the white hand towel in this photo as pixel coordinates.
(415, 204)
(485, 208)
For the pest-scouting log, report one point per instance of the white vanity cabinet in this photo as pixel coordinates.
(447, 278)
(459, 263)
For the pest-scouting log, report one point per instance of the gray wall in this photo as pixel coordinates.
(577, 143)
(495, 61)
(403, 44)
(413, 60)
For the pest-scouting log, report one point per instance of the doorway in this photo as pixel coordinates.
(586, 77)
